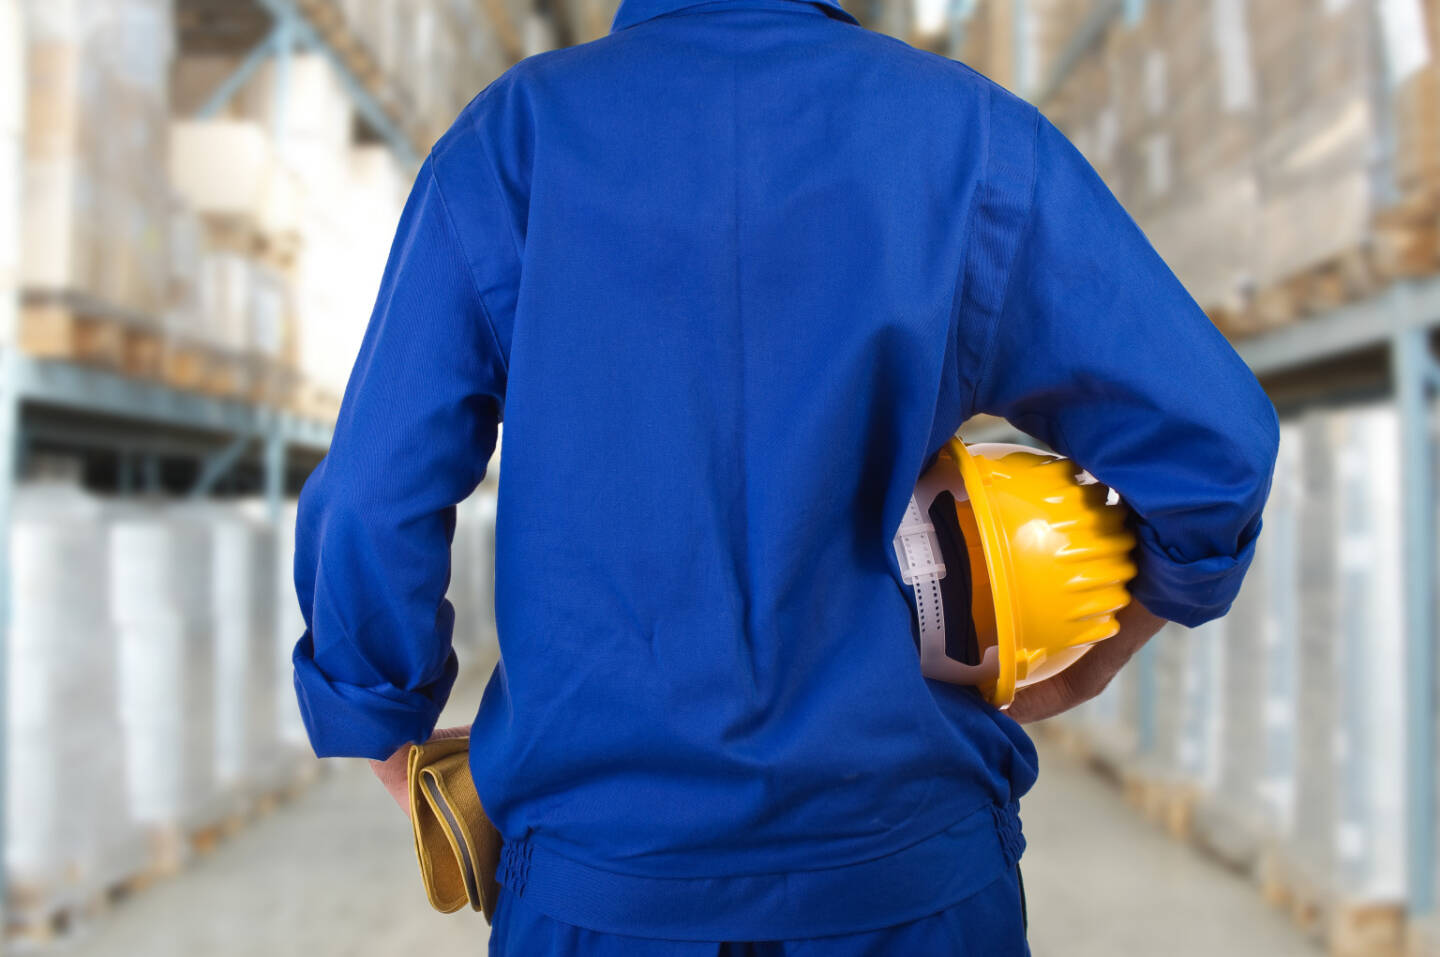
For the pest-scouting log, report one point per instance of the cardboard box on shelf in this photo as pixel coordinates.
(94, 214)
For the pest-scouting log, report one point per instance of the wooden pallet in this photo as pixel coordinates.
(314, 402)
(77, 328)
(1368, 930)
(240, 234)
(41, 913)
(272, 382)
(1346, 928)
(1168, 804)
(1403, 243)
(196, 367)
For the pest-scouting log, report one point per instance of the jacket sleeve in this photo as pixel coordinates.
(417, 425)
(1100, 352)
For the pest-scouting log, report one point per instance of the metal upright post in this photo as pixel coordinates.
(1020, 47)
(12, 60)
(1414, 371)
(1145, 660)
(274, 474)
(283, 46)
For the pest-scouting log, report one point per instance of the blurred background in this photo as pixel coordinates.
(196, 201)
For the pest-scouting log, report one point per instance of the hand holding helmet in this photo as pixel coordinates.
(1018, 562)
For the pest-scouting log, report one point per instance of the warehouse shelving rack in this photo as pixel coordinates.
(1399, 322)
(1395, 327)
(1392, 330)
(56, 403)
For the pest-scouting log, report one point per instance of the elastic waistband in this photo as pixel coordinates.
(910, 883)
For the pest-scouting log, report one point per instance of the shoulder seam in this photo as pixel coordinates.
(469, 272)
(988, 361)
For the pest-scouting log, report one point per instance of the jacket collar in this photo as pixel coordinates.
(632, 12)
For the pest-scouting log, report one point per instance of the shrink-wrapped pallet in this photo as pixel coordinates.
(1369, 749)
(1417, 104)
(1316, 66)
(589, 19)
(343, 242)
(242, 581)
(12, 117)
(66, 834)
(1318, 665)
(1231, 813)
(289, 625)
(1278, 556)
(1167, 667)
(160, 606)
(1200, 716)
(221, 167)
(472, 576)
(1259, 143)
(281, 624)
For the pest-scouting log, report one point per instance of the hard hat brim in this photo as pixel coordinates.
(996, 549)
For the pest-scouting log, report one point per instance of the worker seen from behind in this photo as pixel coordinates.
(733, 275)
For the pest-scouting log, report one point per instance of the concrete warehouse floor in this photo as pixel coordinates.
(332, 874)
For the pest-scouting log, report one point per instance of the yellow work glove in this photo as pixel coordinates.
(457, 846)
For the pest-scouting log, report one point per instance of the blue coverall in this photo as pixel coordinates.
(732, 274)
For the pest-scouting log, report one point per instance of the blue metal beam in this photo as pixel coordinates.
(274, 475)
(70, 386)
(1147, 689)
(242, 74)
(1020, 48)
(1414, 371)
(284, 45)
(1410, 304)
(9, 451)
(1086, 35)
(285, 11)
(218, 464)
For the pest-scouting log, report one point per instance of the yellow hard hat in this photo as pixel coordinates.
(1047, 554)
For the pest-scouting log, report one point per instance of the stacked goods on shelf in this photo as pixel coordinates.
(588, 19)
(1317, 726)
(95, 215)
(12, 117)
(66, 835)
(303, 212)
(345, 239)
(1242, 137)
(1278, 736)
(1277, 559)
(289, 625)
(424, 59)
(278, 625)
(1019, 54)
(1229, 815)
(1417, 103)
(1370, 840)
(161, 610)
(242, 596)
(238, 221)
(472, 574)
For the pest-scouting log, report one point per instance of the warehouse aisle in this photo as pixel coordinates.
(332, 874)
(1102, 880)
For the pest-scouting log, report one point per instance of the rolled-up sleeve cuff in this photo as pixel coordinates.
(349, 721)
(1189, 593)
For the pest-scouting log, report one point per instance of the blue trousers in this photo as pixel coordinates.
(989, 923)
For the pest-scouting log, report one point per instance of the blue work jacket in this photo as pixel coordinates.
(732, 274)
